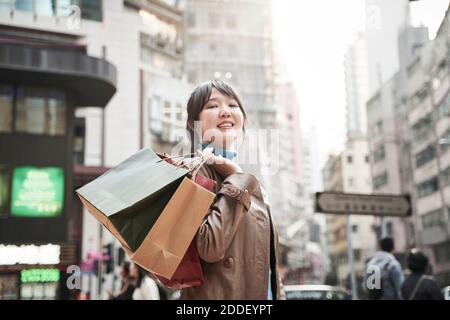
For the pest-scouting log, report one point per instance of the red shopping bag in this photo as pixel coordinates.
(189, 272)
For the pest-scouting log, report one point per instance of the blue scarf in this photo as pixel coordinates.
(230, 155)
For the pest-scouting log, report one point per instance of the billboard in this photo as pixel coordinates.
(37, 192)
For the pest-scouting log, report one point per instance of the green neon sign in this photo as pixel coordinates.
(39, 275)
(37, 192)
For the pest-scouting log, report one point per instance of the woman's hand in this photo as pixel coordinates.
(223, 166)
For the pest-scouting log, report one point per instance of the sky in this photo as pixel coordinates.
(312, 36)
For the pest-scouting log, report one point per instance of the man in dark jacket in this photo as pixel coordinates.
(417, 285)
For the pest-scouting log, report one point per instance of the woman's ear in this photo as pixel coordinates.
(191, 125)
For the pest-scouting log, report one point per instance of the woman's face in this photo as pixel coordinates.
(221, 119)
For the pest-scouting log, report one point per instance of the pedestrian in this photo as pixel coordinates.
(237, 241)
(146, 288)
(127, 286)
(384, 277)
(418, 285)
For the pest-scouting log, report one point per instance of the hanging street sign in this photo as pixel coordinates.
(363, 204)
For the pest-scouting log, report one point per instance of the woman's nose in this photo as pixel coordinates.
(225, 112)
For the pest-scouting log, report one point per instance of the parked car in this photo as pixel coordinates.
(314, 292)
(446, 293)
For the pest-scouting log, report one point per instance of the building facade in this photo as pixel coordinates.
(407, 118)
(45, 75)
(147, 109)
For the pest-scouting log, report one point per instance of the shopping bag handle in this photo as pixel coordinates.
(197, 168)
(194, 170)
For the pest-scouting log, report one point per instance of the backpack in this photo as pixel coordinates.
(376, 293)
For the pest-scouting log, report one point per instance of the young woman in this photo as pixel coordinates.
(237, 242)
(127, 287)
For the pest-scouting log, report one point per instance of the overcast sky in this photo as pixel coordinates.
(313, 36)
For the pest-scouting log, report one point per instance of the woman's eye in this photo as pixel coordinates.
(211, 106)
(233, 106)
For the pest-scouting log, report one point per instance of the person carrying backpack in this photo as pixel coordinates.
(384, 277)
(418, 285)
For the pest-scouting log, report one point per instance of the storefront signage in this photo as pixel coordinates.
(37, 192)
(30, 254)
(39, 275)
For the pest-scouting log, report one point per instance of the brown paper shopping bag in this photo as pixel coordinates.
(165, 245)
(151, 207)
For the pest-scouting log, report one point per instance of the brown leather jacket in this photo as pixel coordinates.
(234, 242)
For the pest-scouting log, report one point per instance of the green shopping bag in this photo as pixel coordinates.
(129, 198)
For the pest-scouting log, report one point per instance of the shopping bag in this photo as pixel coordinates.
(189, 272)
(141, 202)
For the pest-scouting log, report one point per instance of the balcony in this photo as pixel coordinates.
(435, 234)
(92, 80)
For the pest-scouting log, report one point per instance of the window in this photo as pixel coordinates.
(425, 156)
(355, 228)
(4, 5)
(79, 140)
(179, 111)
(389, 230)
(379, 153)
(41, 111)
(442, 252)
(6, 108)
(443, 108)
(432, 219)
(4, 190)
(349, 159)
(418, 97)
(350, 182)
(422, 128)
(45, 7)
(357, 254)
(366, 159)
(445, 176)
(91, 9)
(427, 187)
(167, 109)
(379, 127)
(380, 180)
(191, 19)
(24, 5)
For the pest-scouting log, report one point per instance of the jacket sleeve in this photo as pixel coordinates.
(222, 221)
(397, 280)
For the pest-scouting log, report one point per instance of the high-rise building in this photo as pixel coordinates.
(384, 20)
(356, 87)
(232, 40)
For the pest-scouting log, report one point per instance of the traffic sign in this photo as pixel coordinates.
(363, 204)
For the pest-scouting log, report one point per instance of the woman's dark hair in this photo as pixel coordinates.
(140, 276)
(417, 261)
(200, 96)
